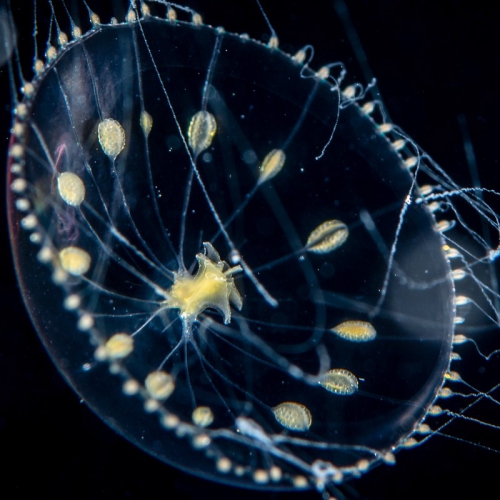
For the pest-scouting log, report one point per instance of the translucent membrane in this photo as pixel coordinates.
(244, 283)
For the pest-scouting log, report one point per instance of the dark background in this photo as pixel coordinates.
(434, 61)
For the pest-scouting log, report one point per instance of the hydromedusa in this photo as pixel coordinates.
(256, 305)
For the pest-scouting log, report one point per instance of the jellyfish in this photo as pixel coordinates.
(236, 258)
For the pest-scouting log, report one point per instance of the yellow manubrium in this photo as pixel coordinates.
(212, 287)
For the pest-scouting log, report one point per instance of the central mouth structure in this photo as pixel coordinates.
(212, 287)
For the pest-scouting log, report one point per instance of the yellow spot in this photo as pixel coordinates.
(451, 253)
(29, 222)
(339, 381)
(426, 189)
(17, 151)
(223, 464)
(462, 300)
(17, 169)
(39, 66)
(131, 17)
(51, 53)
(458, 274)
(368, 108)
(202, 416)
(300, 482)
(239, 470)
(159, 385)
(23, 205)
(327, 237)
(21, 110)
(19, 185)
(201, 441)
(293, 416)
(453, 376)
(171, 15)
(384, 128)
(434, 206)
(435, 410)
(119, 346)
(445, 225)
(411, 161)
(398, 145)
(170, 421)
(323, 73)
(445, 392)
(300, 56)
(95, 19)
(151, 405)
(363, 465)
(74, 260)
(459, 339)
(423, 429)
(131, 387)
(261, 476)
(349, 92)
(28, 89)
(45, 254)
(101, 353)
(19, 128)
(85, 322)
(59, 276)
(62, 39)
(355, 331)
(111, 137)
(201, 132)
(146, 122)
(272, 165)
(71, 188)
(212, 287)
(197, 19)
(72, 302)
(273, 42)
(275, 473)
(410, 443)
(338, 477)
